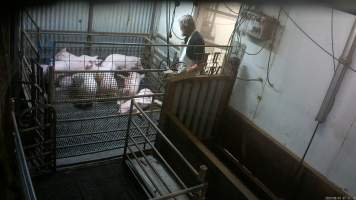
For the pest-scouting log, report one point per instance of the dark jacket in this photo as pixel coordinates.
(196, 54)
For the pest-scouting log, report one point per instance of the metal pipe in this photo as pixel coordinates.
(89, 143)
(150, 192)
(161, 157)
(29, 191)
(346, 60)
(165, 138)
(180, 192)
(144, 170)
(142, 44)
(150, 165)
(128, 129)
(102, 117)
(96, 132)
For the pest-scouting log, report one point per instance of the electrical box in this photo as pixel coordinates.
(260, 26)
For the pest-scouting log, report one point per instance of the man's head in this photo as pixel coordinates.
(187, 25)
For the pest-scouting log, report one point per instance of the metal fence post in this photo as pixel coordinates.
(128, 128)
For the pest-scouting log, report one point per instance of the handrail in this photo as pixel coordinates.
(184, 77)
(200, 175)
(21, 158)
(94, 33)
(141, 44)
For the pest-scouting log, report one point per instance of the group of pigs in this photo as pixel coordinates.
(107, 82)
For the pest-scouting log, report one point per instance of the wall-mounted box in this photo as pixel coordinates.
(261, 26)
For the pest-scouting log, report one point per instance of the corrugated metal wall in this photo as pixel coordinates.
(65, 16)
(124, 16)
(121, 16)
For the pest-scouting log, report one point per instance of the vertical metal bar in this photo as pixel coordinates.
(90, 27)
(202, 177)
(51, 91)
(128, 128)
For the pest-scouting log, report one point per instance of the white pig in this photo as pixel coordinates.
(85, 83)
(143, 102)
(107, 83)
(67, 61)
(65, 82)
(132, 83)
(121, 62)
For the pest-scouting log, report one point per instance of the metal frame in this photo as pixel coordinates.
(25, 176)
(130, 154)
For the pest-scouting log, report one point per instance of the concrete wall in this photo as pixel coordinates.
(300, 73)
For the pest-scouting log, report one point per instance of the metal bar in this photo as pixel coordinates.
(30, 192)
(93, 152)
(35, 127)
(102, 117)
(150, 192)
(95, 133)
(338, 76)
(150, 165)
(161, 157)
(31, 43)
(94, 33)
(180, 192)
(128, 129)
(166, 139)
(142, 44)
(32, 20)
(144, 170)
(89, 143)
(107, 71)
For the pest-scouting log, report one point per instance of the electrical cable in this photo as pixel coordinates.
(167, 28)
(177, 35)
(300, 164)
(173, 16)
(258, 52)
(271, 50)
(316, 43)
(332, 37)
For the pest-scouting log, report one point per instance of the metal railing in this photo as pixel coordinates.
(131, 155)
(25, 176)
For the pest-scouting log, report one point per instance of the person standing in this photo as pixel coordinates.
(191, 58)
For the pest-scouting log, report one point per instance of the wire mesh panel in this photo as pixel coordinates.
(91, 84)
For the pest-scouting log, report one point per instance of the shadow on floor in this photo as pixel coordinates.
(109, 180)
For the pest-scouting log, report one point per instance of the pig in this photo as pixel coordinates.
(84, 83)
(65, 82)
(107, 83)
(67, 61)
(132, 83)
(143, 102)
(121, 62)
